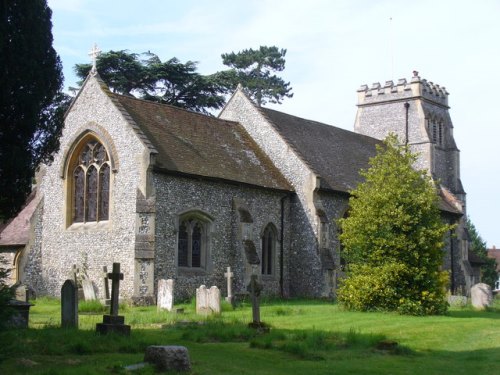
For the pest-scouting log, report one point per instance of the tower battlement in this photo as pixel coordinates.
(403, 90)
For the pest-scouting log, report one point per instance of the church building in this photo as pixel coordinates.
(173, 194)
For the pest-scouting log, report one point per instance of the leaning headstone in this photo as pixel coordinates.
(165, 295)
(114, 322)
(214, 300)
(88, 290)
(481, 296)
(168, 358)
(229, 275)
(202, 300)
(69, 305)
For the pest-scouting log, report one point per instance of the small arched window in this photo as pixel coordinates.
(193, 237)
(268, 250)
(90, 182)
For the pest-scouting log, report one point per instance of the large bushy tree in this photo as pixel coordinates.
(393, 238)
(31, 102)
(179, 84)
(478, 246)
(146, 76)
(254, 70)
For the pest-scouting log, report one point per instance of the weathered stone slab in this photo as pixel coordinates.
(69, 305)
(208, 300)
(165, 299)
(168, 358)
(214, 300)
(481, 296)
(202, 300)
(88, 290)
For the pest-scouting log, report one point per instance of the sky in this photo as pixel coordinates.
(333, 47)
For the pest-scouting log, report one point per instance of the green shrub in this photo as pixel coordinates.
(393, 287)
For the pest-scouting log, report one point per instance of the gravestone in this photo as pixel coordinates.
(168, 358)
(481, 296)
(107, 298)
(229, 275)
(254, 288)
(21, 292)
(202, 300)
(214, 299)
(88, 290)
(69, 305)
(207, 300)
(114, 322)
(165, 295)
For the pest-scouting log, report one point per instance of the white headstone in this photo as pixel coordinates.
(214, 300)
(202, 300)
(481, 296)
(165, 295)
(229, 275)
(88, 290)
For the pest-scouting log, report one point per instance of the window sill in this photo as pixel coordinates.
(187, 271)
(90, 226)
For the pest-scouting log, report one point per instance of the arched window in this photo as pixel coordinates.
(193, 235)
(268, 250)
(90, 182)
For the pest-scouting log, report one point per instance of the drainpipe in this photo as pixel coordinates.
(452, 260)
(407, 106)
(282, 224)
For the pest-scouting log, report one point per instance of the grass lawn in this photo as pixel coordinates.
(306, 337)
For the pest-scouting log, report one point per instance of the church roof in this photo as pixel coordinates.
(336, 155)
(17, 231)
(194, 144)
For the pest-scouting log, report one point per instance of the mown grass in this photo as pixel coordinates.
(306, 337)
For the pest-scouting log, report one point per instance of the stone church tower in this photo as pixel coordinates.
(417, 112)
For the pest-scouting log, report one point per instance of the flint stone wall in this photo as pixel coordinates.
(177, 195)
(59, 246)
(306, 277)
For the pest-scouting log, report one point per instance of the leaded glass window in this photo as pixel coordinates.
(192, 243)
(91, 181)
(268, 250)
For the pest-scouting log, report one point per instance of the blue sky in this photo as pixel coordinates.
(333, 47)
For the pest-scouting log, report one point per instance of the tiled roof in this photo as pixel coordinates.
(16, 232)
(335, 154)
(195, 144)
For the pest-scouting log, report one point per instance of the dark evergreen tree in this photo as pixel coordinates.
(478, 246)
(393, 238)
(254, 69)
(169, 82)
(31, 102)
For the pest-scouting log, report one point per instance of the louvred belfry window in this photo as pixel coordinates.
(91, 184)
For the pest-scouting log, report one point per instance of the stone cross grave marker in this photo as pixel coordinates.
(115, 277)
(69, 304)
(254, 288)
(229, 275)
(114, 322)
(165, 295)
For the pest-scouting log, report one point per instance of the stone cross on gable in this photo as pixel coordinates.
(115, 277)
(229, 275)
(94, 52)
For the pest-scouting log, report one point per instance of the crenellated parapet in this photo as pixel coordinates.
(416, 88)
